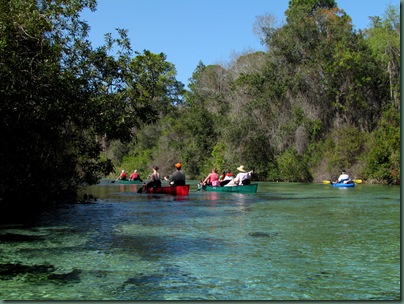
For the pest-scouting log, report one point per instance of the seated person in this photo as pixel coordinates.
(221, 178)
(177, 178)
(123, 175)
(212, 179)
(154, 178)
(344, 177)
(243, 178)
(227, 178)
(135, 176)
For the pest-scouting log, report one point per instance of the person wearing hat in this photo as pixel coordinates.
(177, 178)
(344, 177)
(135, 176)
(243, 178)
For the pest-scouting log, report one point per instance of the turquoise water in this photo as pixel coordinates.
(288, 241)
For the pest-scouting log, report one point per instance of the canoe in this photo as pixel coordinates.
(128, 182)
(173, 190)
(342, 185)
(252, 188)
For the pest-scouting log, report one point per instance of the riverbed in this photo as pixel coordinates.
(288, 241)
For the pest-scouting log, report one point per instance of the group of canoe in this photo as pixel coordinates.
(226, 183)
(183, 190)
(241, 183)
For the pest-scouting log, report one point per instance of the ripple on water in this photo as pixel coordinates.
(287, 242)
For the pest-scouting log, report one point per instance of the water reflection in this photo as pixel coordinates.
(212, 196)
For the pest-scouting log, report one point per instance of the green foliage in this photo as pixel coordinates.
(218, 155)
(198, 127)
(302, 111)
(383, 149)
(308, 107)
(343, 149)
(152, 84)
(292, 168)
(383, 37)
(310, 5)
(139, 162)
(61, 99)
(314, 153)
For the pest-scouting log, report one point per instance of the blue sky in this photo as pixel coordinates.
(211, 31)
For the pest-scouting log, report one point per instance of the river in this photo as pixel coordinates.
(289, 241)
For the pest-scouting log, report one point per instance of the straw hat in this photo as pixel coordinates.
(241, 168)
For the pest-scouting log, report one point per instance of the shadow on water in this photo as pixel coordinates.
(177, 284)
(14, 237)
(38, 273)
(151, 247)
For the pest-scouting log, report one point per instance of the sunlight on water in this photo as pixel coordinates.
(286, 242)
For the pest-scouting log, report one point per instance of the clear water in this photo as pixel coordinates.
(289, 241)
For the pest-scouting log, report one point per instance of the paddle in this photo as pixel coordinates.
(140, 190)
(356, 181)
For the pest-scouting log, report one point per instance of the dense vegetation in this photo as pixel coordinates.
(61, 100)
(321, 98)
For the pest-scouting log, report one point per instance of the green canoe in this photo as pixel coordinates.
(128, 182)
(252, 188)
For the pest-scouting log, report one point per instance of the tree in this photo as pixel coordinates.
(383, 37)
(60, 98)
(309, 7)
(152, 82)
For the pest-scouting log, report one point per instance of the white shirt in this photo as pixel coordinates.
(242, 176)
(343, 177)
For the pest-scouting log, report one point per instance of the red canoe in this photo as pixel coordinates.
(173, 190)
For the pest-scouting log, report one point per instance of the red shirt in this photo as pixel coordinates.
(134, 175)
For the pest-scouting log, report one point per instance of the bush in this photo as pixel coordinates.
(343, 148)
(291, 167)
(382, 155)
